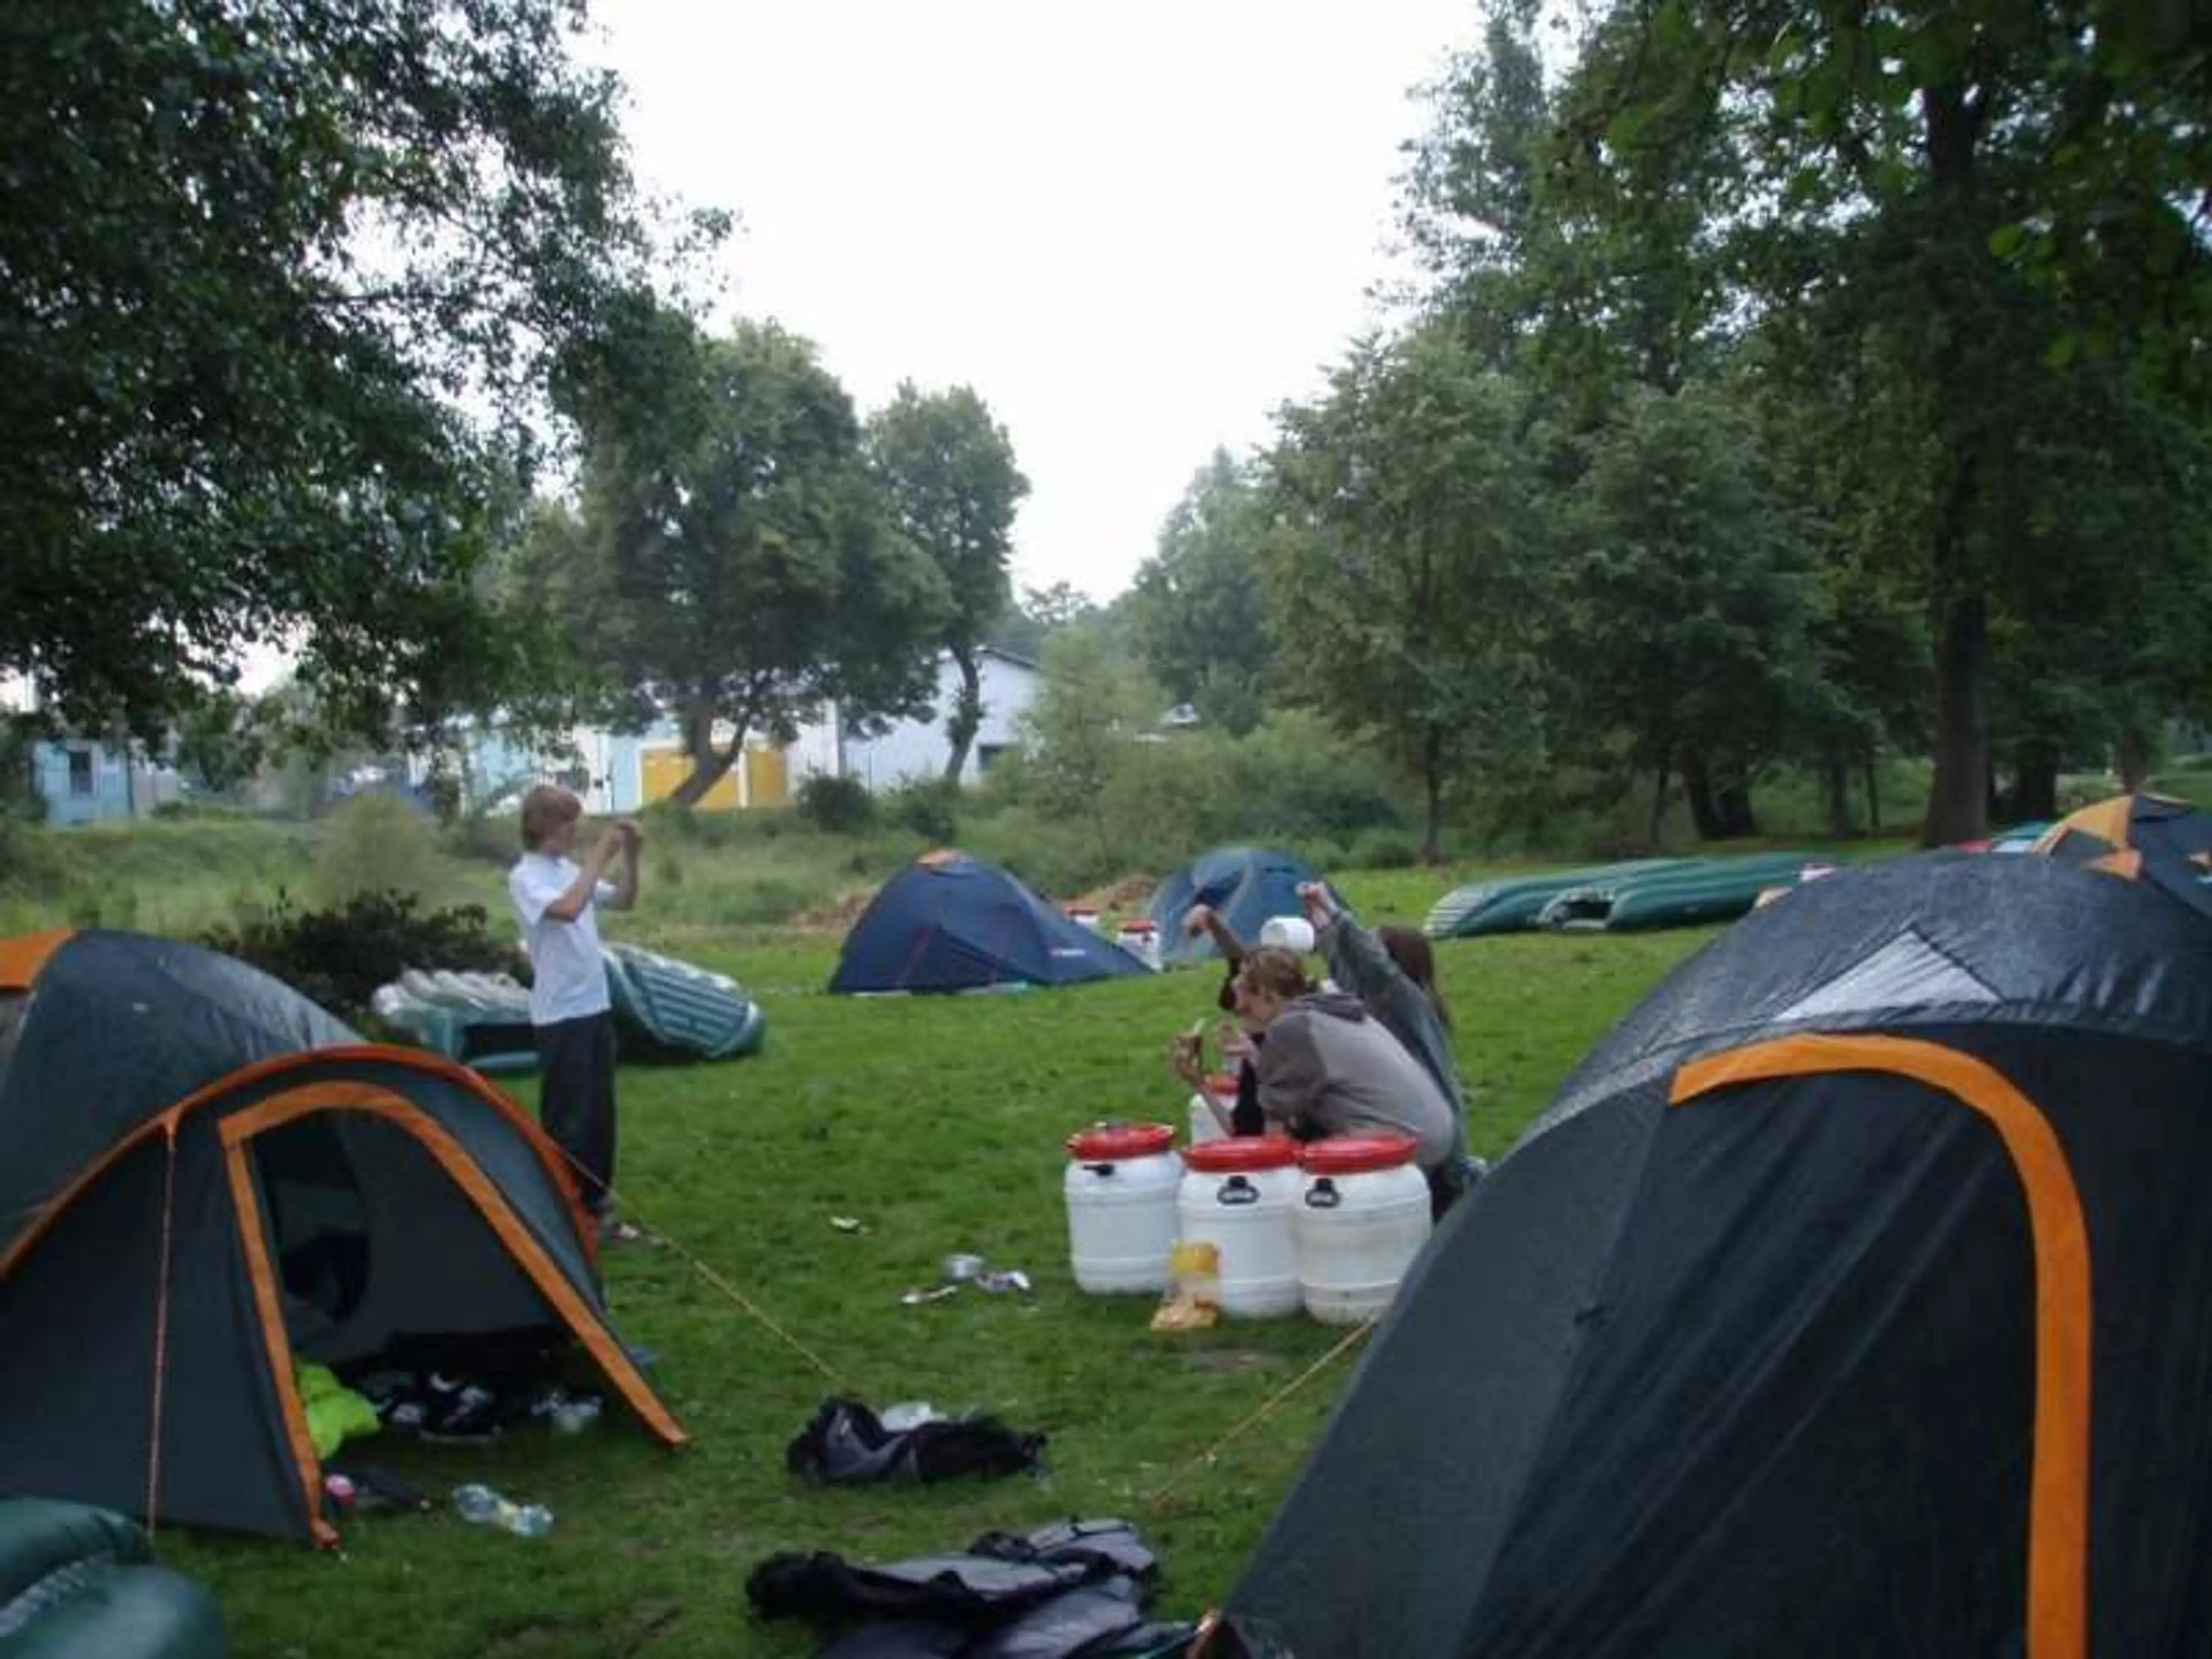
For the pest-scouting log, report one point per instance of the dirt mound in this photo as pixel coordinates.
(836, 915)
(1130, 894)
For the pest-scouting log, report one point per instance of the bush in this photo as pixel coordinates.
(338, 957)
(840, 806)
(931, 808)
(377, 844)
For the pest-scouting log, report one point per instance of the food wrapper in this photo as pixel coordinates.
(1194, 1300)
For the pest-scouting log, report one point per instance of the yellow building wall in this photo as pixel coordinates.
(767, 777)
(663, 771)
(766, 780)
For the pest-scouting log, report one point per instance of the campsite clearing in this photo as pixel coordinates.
(937, 1123)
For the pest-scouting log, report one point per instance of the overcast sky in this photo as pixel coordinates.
(1134, 230)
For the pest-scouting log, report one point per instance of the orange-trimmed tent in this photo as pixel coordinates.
(1851, 1298)
(182, 1141)
(2149, 838)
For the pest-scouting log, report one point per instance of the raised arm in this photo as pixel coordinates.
(569, 902)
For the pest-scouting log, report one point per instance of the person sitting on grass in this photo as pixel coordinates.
(1329, 1067)
(1393, 971)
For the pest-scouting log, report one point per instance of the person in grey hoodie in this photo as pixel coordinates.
(1329, 1067)
(1393, 972)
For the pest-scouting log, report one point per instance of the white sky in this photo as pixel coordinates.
(1134, 230)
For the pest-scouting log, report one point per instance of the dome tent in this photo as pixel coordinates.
(1848, 1298)
(951, 922)
(2147, 838)
(186, 1146)
(1245, 885)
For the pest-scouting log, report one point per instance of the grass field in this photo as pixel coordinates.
(937, 1122)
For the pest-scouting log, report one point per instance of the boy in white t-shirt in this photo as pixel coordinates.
(570, 1014)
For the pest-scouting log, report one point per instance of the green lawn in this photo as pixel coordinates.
(939, 1123)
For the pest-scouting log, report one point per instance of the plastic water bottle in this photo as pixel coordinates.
(481, 1506)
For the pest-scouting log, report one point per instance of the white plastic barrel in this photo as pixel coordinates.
(1122, 1183)
(1142, 940)
(1219, 1092)
(1362, 1217)
(1237, 1195)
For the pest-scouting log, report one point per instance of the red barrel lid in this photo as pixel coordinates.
(1109, 1143)
(1238, 1154)
(1356, 1154)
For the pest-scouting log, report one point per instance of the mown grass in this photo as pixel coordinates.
(939, 1123)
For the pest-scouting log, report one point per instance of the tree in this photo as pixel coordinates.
(948, 469)
(1890, 164)
(260, 259)
(738, 566)
(1406, 573)
(1686, 623)
(1197, 608)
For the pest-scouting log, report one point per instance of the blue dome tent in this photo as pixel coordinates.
(1244, 884)
(950, 922)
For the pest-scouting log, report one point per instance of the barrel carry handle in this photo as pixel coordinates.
(1238, 1190)
(1322, 1194)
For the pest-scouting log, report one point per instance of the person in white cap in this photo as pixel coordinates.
(1329, 1067)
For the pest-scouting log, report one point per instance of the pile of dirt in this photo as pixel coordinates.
(837, 915)
(1128, 897)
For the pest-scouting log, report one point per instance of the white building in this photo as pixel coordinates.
(915, 749)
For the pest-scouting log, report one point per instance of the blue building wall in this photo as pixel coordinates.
(81, 782)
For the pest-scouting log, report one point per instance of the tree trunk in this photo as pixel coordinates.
(967, 713)
(1658, 803)
(1738, 820)
(708, 763)
(1836, 791)
(1873, 761)
(1432, 781)
(2133, 757)
(2035, 792)
(1710, 806)
(1958, 797)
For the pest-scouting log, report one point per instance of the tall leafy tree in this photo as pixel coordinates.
(1406, 574)
(1197, 608)
(259, 259)
(737, 561)
(1890, 162)
(948, 469)
(1688, 618)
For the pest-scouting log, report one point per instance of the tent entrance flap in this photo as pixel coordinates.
(2059, 1506)
(428, 1209)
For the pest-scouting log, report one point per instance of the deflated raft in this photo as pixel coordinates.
(1513, 903)
(665, 1010)
(1703, 891)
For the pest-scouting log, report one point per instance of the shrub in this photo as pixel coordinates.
(840, 806)
(376, 844)
(929, 807)
(338, 957)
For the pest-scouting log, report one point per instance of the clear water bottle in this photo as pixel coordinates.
(481, 1506)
